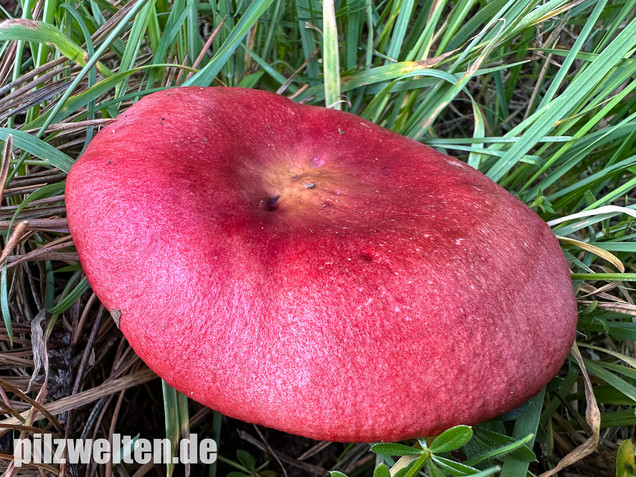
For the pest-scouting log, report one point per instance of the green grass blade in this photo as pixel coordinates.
(475, 158)
(70, 297)
(209, 72)
(571, 56)
(545, 119)
(171, 415)
(140, 25)
(38, 148)
(605, 277)
(623, 386)
(399, 31)
(112, 36)
(39, 32)
(330, 55)
(306, 12)
(4, 302)
(525, 429)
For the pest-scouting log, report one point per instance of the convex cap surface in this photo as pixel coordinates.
(307, 270)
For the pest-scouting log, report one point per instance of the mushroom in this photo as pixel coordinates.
(307, 270)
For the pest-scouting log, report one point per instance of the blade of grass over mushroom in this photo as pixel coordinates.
(248, 19)
(383, 74)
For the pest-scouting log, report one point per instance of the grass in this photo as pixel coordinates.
(538, 95)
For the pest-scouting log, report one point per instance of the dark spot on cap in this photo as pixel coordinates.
(369, 254)
(271, 203)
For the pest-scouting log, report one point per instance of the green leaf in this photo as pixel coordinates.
(246, 460)
(381, 471)
(493, 445)
(395, 449)
(433, 470)
(456, 468)
(451, 439)
(625, 466)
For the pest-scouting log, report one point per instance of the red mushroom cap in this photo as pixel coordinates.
(307, 270)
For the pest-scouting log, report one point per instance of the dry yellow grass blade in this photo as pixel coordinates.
(604, 254)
